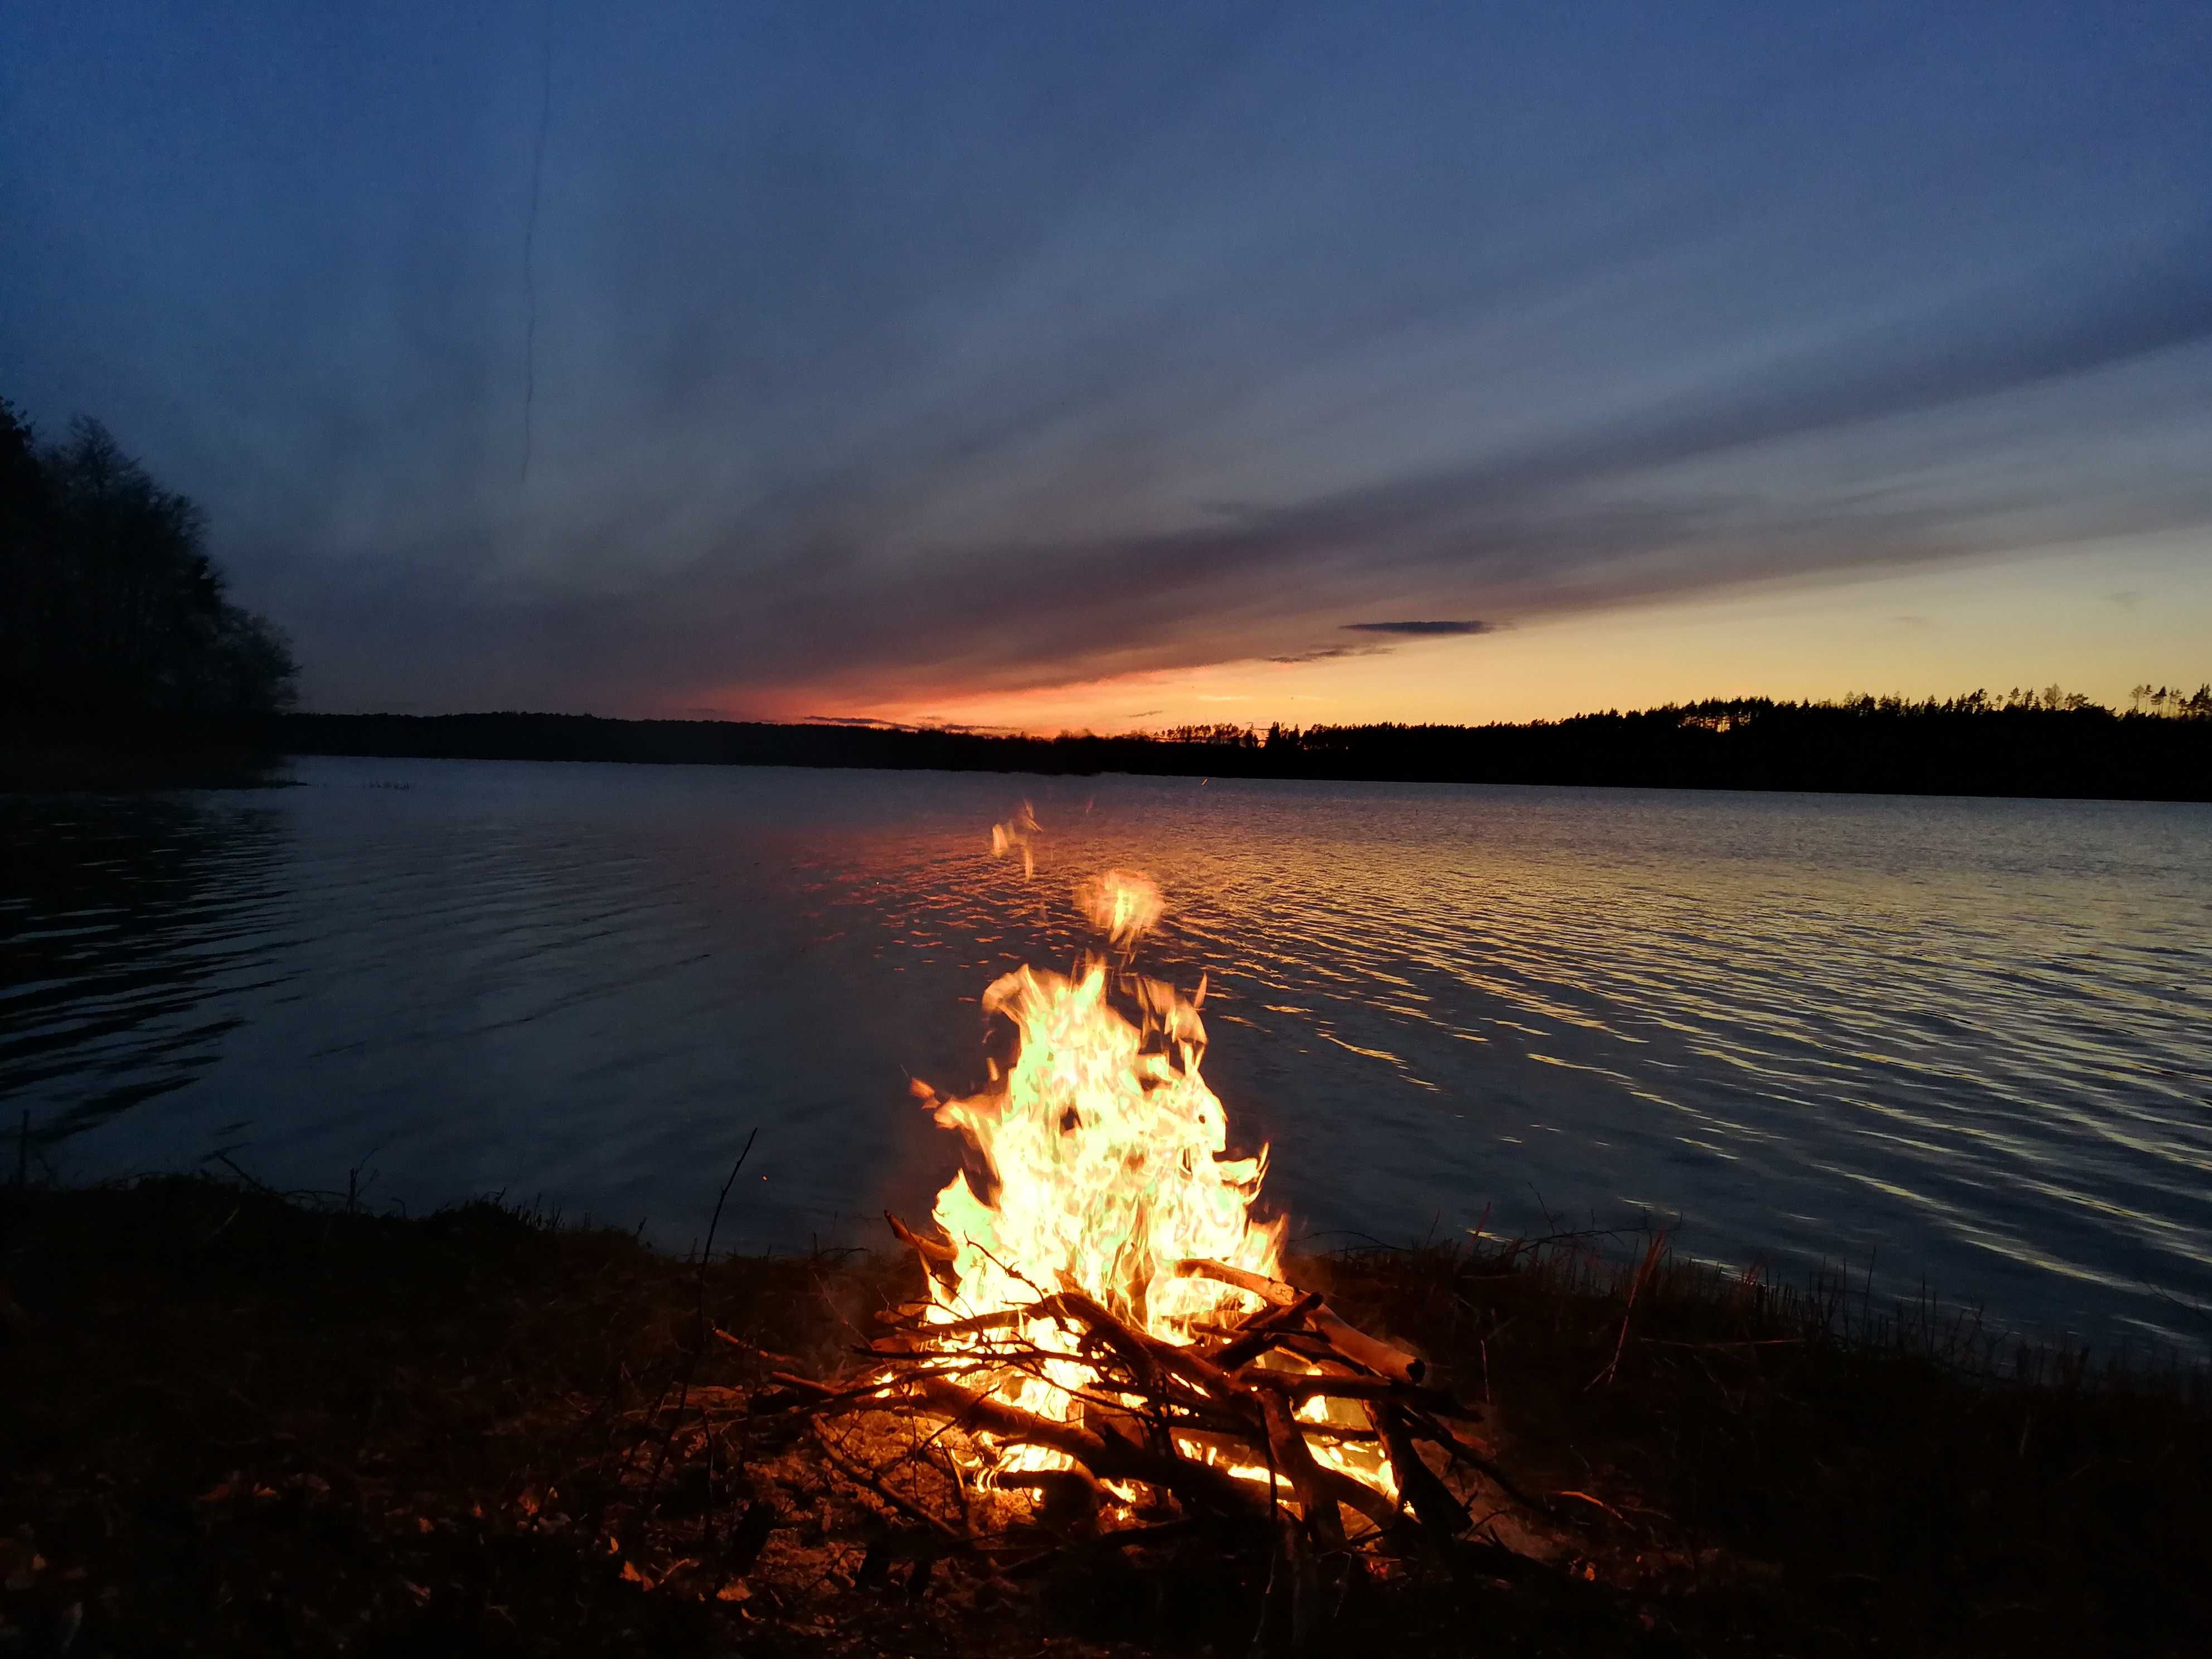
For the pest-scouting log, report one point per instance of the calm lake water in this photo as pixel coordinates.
(1963, 1041)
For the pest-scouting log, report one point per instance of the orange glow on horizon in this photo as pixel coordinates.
(2095, 619)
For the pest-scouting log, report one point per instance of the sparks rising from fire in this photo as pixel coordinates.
(1099, 1166)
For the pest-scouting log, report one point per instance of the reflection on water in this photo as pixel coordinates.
(1963, 1040)
(123, 921)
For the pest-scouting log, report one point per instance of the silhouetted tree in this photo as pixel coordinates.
(113, 619)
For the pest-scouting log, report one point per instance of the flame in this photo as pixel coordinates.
(1014, 835)
(1121, 904)
(1100, 1162)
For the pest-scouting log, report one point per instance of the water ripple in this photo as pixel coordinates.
(1966, 1038)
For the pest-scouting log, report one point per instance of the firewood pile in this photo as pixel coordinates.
(1285, 1423)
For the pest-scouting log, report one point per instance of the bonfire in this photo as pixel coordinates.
(1108, 1344)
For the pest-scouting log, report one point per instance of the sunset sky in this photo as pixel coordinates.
(1120, 366)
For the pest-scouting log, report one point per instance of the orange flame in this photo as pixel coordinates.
(1014, 835)
(1103, 1163)
(1121, 904)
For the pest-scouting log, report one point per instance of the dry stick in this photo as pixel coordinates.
(698, 1338)
(1005, 1319)
(1128, 1341)
(855, 1470)
(1356, 1495)
(1600, 1502)
(1644, 1270)
(952, 1467)
(754, 1349)
(1429, 1430)
(1353, 1344)
(1362, 1349)
(1110, 1457)
(1263, 1330)
(1266, 1289)
(1287, 1605)
(1434, 1506)
(868, 1396)
(1288, 1452)
(699, 1333)
(1158, 1370)
(1307, 1385)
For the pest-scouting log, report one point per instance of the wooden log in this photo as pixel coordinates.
(1109, 1456)
(1263, 1330)
(1145, 1355)
(1266, 1289)
(1333, 1385)
(753, 1348)
(1383, 1358)
(1427, 1428)
(1433, 1505)
(1007, 1319)
(1293, 1460)
(1308, 1385)
(1356, 1495)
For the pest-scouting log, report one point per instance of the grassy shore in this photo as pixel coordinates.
(242, 1423)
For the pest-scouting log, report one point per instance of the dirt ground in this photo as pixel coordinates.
(236, 1423)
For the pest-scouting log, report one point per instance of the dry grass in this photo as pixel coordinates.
(1854, 1476)
(240, 1423)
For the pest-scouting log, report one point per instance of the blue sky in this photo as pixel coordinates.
(1103, 364)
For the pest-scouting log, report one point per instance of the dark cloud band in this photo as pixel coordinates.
(1421, 629)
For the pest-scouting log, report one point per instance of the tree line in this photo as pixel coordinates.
(2048, 743)
(116, 626)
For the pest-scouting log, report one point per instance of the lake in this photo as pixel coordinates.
(1958, 1041)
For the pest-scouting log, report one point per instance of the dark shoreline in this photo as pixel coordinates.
(255, 1423)
(2086, 753)
(99, 768)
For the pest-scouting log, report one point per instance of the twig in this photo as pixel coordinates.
(699, 1335)
(854, 1469)
(1600, 1502)
(1645, 1270)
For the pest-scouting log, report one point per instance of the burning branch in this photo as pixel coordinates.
(1170, 1368)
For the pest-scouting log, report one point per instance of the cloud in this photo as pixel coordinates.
(1423, 629)
(1325, 653)
(876, 369)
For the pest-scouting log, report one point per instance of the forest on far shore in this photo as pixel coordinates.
(2046, 742)
(123, 660)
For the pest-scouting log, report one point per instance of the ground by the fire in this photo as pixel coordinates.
(242, 1423)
